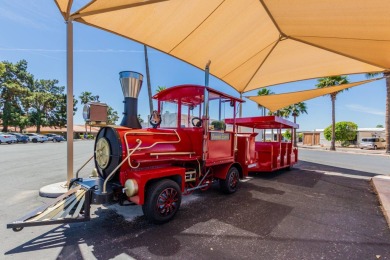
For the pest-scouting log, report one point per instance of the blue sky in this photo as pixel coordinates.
(35, 31)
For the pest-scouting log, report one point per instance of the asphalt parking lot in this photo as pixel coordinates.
(300, 214)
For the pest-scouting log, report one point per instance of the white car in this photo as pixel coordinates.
(7, 138)
(35, 138)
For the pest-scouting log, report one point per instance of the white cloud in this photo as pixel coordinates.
(364, 109)
(20, 18)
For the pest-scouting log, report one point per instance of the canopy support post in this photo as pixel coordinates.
(205, 119)
(69, 99)
(240, 108)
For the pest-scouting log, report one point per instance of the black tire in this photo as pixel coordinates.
(9, 142)
(375, 147)
(166, 193)
(34, 140)
(231, 183)
(114, 140)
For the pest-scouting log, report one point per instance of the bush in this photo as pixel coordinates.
(287, 135)
(344, 131)
(218, 125)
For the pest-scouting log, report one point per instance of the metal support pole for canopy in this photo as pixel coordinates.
(69, 99)
(240, 108)
(206, 110)
(206, 93)
(219, 109)
(56, 189)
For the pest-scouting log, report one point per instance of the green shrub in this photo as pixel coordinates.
(218, 125)
(344, 131)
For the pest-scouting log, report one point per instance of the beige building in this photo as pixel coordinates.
(317, 137)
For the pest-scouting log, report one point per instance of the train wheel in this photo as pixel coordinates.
(230, 184)
(162, 201)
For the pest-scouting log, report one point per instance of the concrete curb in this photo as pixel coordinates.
(355, 151)
(381, 184)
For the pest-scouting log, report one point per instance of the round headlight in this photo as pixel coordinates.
(102, 153)
(131, 187)
(86, 113)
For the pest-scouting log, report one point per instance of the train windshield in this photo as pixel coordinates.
(184, 106)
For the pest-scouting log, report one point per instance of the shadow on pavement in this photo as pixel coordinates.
(329, 168)
(111, 235)
(302, 213)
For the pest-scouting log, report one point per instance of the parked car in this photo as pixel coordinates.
(372, 143)
(55, 138)
(36, 138)
(50, 136)
(7, 138)
(20, 137)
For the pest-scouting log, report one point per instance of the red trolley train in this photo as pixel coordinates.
(153, 167)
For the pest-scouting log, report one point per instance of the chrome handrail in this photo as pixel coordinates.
(119, 165)
(148, 147)
(77, 173)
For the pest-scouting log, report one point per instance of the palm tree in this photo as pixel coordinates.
(86, 97)
(158, 90)
(284, 112)
(329, 82)
(296, 110)
(148, 80)
(264, 92)
(387, 120)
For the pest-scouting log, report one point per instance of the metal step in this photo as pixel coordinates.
(190, 175)
(73, 206)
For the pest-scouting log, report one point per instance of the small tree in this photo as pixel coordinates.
(300, 137)
(287, 134)
(112, 116)
(158, 90)
(218, 125)
(344, 132)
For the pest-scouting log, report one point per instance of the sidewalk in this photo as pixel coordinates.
(346, 150)
(380, 183)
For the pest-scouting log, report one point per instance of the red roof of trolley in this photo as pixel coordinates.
(263, 122)
(191, 95)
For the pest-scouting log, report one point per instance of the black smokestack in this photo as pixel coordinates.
(131, 83)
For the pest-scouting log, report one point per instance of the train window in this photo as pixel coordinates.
(168, 114)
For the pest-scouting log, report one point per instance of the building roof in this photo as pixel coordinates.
(76, 129)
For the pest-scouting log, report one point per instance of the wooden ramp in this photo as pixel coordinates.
(73, 206)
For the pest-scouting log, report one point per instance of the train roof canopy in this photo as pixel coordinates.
(192, 95)
(263, 122)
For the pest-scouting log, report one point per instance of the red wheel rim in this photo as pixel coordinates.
(233, 179)
(167, 202)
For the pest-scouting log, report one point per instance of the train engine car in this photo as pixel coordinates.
(153, 167)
